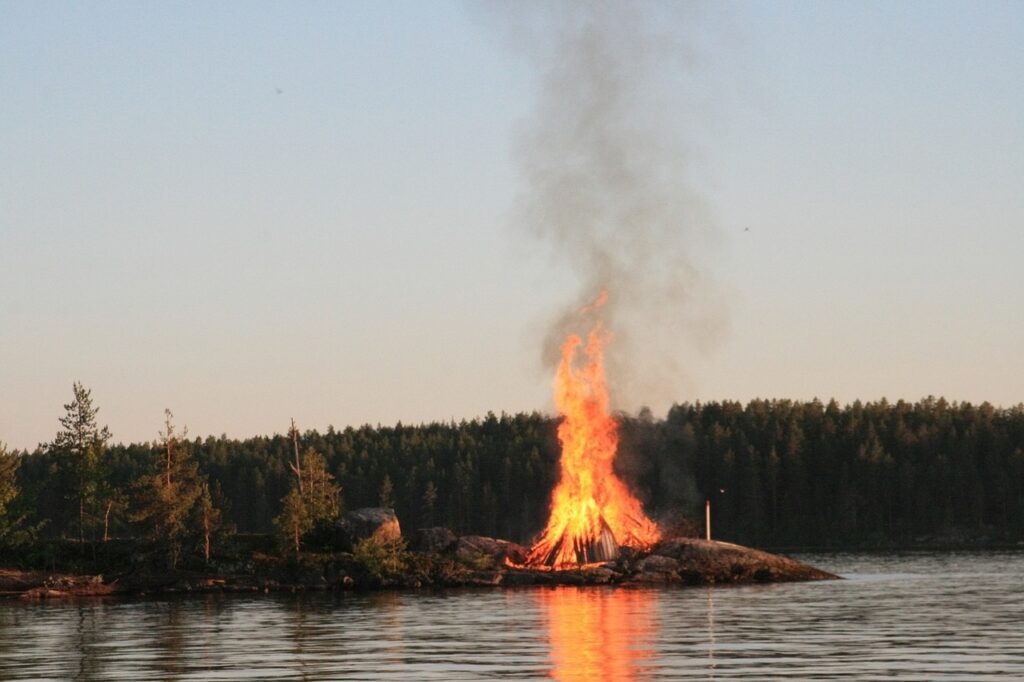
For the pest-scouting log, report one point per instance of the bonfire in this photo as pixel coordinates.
(593, 513)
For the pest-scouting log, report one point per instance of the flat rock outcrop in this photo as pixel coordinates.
(686, 561)
(704, 561)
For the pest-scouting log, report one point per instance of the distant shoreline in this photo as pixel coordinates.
(1003, 545)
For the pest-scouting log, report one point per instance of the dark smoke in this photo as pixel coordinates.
(608, 182)
(655, 459)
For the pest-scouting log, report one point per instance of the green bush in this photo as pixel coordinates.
(478, 561)
(382, 558)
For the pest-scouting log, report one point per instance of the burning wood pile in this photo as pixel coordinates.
(593, 513)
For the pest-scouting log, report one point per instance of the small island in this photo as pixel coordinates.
(377, 556)
(79, 516)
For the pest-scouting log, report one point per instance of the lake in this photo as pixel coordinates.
(920, 615)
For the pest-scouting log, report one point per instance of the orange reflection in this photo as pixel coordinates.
(600, 634)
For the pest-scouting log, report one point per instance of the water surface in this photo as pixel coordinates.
(908, 616)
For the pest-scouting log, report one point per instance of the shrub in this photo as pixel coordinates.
(382, 558)
(478, 561)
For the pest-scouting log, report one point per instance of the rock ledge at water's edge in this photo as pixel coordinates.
(472, 561)
(685, 561)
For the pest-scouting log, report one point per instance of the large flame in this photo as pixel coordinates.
(590, 500)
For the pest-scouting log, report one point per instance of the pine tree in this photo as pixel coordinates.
(322, 494)
(313, 502)
(173, 504)
(80, 446)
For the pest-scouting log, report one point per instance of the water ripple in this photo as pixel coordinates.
(921, 616)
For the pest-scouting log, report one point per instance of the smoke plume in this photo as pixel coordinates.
(609, 182)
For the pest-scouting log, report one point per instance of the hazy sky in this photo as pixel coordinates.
(248, 212)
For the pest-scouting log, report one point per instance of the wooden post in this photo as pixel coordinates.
(707, 519)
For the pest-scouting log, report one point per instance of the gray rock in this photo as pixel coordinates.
(598, 575)
(677, 549)
(569, 577)
(656, 562)
(484, 578)
(656, 569)
(656, 577)
(436, 540)
(703, 561)
(377, 523)
(477, 550)
(521, 578)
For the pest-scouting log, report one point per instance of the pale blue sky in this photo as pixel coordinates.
(175, 232)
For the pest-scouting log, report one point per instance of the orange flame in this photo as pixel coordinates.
(589, 499)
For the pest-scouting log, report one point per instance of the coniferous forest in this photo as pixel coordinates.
(778, 473)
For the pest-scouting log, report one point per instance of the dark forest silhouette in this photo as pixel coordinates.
(778, 473)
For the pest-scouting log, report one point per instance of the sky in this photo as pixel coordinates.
(248, 212)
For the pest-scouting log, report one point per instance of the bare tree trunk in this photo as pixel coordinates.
(298, 535)
(297, 467)
(206, 535)
(169, 435)
(106, 521)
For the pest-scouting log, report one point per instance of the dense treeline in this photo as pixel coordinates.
(875, 473)
(777, 472)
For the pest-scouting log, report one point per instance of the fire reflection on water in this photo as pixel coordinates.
(600, 634)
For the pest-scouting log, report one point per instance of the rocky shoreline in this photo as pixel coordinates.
(369, 552)
(471, 561)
